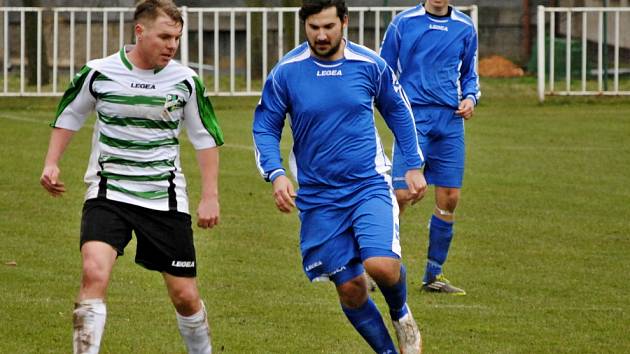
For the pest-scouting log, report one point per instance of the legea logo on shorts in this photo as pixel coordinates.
(183, 264)
(338, 270)
(313, 265)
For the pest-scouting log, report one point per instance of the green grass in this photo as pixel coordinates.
(542, 242)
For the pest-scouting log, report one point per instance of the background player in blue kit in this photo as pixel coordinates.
(348, 211)
(432, 47)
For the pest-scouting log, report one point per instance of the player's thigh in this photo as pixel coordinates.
(105, 221)
(445, 161)
(376, 227)
(165, 242)
(329, 250)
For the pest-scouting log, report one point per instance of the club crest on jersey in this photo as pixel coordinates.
(173, 102)
(335, 72)
(438, 27)
(143, 86)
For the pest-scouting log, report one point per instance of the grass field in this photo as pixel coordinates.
(542, 242)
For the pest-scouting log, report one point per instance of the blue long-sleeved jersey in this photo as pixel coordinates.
(336, 148)
(434, 56)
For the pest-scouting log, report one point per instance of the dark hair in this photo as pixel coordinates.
(151, 9)
(312, 7)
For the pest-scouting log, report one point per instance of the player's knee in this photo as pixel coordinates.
(385, 276)
(185, 298)
(448, 199)
(403, 197)
(384, 271)
(95, 274)
(353, 293)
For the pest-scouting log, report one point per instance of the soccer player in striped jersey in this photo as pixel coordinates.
(432, 47)
(142, 100)
(349, 216)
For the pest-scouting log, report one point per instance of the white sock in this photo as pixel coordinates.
(88, 318)
(195, 331)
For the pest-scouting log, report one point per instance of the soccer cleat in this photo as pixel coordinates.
(440, 284)
(408, 334)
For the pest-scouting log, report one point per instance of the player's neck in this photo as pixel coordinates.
(436, 11)
(138, 60)
(338, 54)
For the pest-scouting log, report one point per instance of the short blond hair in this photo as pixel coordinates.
(151, 9)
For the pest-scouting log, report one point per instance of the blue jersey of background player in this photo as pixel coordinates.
(432, 47)
(348, 212)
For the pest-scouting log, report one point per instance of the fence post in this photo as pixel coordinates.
(540, 22)
(183, 42)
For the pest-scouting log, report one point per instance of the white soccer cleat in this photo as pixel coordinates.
(408, 334)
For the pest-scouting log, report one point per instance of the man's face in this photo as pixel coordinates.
(437, 3)
(158, 40)
(324, 32)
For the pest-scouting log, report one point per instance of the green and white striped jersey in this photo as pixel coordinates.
(135, 145)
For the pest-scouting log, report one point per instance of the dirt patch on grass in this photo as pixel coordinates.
(498, 66)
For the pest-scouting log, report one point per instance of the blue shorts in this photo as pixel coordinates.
(441, 138)
(336, 240)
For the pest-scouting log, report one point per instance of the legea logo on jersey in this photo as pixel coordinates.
(335, 72)
(143, 86)
(183, 264)
(438, 27)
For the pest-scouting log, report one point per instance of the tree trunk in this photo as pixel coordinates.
(256, 39)
(289, 24)
(31, 46)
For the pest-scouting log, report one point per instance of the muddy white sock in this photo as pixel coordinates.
(88, 319)
(195, 331)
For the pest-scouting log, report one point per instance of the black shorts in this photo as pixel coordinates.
(165, 238)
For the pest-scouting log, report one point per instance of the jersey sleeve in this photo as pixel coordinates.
(77, 102)
(268, 123)
(391, 46)
(469, 77)
(200, 120)
(394, 106)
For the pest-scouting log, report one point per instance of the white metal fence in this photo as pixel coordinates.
(592, 20)
(233, 49)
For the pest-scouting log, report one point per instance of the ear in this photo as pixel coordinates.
(138, 30)
(344, 23)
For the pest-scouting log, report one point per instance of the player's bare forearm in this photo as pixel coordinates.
(59, 140)
(208, 212)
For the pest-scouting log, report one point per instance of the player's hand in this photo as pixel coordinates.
(283, 193)
(466, 108)
(50, 181)
(208, 213)
(416, 185)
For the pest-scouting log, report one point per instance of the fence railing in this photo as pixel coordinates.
(232, 49)
(602, 17)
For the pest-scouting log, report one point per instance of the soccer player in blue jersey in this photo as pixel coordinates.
(432, 47)
(347, 208)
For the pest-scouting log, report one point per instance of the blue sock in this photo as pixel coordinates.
(396, 296)
(369, 323)
(440, 236)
